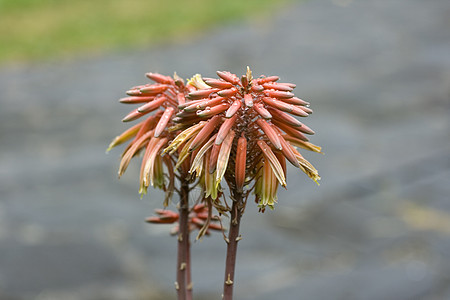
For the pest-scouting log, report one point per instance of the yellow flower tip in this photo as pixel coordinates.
(112, 144)
(262, 206)
(313, 174)
(115, 142)
(142, 191)
(249, 74)
(197, 81)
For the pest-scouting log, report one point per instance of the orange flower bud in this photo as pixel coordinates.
(270, 133)
(233, 108)
(241, 160)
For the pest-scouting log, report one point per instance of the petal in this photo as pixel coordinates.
(273, 162)
(153, 89)
(224, 155)
(148, 151)
(259, 181)
(260, 109)
(135, 114)
(228, 92)
(126, 158)
(215, 83)
(295, 101)
(213, 102)
(184, 136)
(184, 153)
(148, 125)
(233, 108)
(153, 105)
(134, 92)
(224, 129)
(125, 136)
(284, 107)
(278, 94)
(257, 88)
(171, 186)
(149, 174)
(200, 94)
(287, 152)
(302, 144)
(160, 78)
(211, 111)
(263, 80)
(165, 118)
(181, 99)
(213, 158)
(197, 81)
(204, 104)
(305, 129)
(278, 86)
(189, 103)
(300, 111)
(292, 131)
(136, 99)
(240, 162)
(197, 164)
(284, 117)
(227, 76)
(248, 100)
(282, 159)
(211, 187)
(205, 132)
(270, 133)
(306, 166)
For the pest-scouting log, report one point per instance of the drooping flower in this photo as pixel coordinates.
(244, 130)
(158, 104)
(200, 218)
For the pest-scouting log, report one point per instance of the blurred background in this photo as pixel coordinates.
(377, 74)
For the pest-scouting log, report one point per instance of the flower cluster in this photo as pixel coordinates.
(243, 130)
(240, 130)
(158, 103)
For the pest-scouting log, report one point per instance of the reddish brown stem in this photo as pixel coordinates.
(233, 239)
(183, 266)
(188, 273)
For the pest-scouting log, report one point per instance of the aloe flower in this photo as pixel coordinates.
(158, 104)
(158, 109)
(244, 130)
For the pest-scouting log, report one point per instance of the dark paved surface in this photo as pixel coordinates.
(378, 76)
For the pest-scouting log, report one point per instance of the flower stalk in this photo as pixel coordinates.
(237, 209)
(183, 259)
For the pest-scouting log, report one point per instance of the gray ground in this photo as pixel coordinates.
(378, 76)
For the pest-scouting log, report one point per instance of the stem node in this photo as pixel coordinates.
(183, 266)
(229, 281)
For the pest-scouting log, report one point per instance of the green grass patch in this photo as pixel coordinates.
(45, 29)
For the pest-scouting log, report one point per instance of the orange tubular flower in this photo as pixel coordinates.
(159, 104)
(246, 130)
